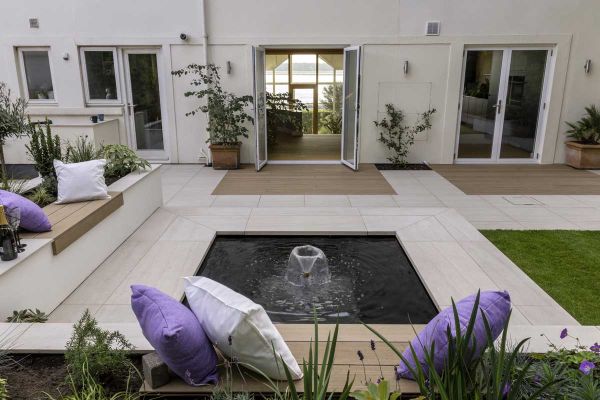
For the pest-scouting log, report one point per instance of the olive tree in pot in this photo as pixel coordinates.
(13, 123)
(584, 150)
(227, 115)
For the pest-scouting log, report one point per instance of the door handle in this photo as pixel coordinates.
(131, 107)
(498, 106)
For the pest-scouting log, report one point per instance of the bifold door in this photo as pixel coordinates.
(351, 98)
(260, 103)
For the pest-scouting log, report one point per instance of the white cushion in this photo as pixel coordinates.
(224, 313)
(80, 181)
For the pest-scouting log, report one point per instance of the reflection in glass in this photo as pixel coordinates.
(143, 73)
(259, 102)
(525, 84)
(350, 98)
(38, 75)
(100, 71)
(480, 97)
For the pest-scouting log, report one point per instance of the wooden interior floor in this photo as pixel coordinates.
(297, 336)
(296, 179)
(553, 179)
(306, 147)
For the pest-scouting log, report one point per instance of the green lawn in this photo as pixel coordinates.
(566, 264)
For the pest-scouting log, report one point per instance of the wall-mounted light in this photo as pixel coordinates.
(587, 66)
(405, 67)
(183, 36)
(65, 56)
(228, 67)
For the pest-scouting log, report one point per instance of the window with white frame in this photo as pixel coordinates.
(37, 75)
(100, 79)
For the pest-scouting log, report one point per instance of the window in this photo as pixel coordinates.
(37, 75)
(99, 75)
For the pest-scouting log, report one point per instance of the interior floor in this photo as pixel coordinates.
(305, 147)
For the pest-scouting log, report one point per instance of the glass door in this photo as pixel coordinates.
(260, 111)
(145, 109)
(501, 104)
(306, 94)
(350, 103)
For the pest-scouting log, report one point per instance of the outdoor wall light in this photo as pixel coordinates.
(405, 67)
(65, 56)
(228, 67)
(183, 36)
(588, 66)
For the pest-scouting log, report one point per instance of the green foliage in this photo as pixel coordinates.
(28, 315)
(89, 389)
(82, 150)
(495, 376)
(587, 129)
(13, 122)
(121, 160)
(397, 136)
(226, 112)
(96, 353)
(43, 149)
(376, 391)
(41, 196)
(283, 113)
(564, 263)
(3, 389)
(331, 117)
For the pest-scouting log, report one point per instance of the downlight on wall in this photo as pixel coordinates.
(587, 67)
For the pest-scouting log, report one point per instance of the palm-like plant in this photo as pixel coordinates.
(587, 129)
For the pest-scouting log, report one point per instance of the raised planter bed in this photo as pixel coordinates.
(583, 156)
(52, 267)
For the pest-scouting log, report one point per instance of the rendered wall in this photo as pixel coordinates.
(389, 30)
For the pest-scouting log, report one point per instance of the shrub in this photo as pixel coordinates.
(587, 129)
(96, 353)
(226, 111)
(41, 196)
(90, 389)
(82, 150)
(28, 315)
(397, 136)
(282, 114)
(121, 160)
(12, 123)
(3, 389)
(43, 149)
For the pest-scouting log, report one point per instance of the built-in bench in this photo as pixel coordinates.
(71, 221)
(83, 235)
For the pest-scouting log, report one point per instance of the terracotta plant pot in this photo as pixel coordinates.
(225, 156)
(583, 156)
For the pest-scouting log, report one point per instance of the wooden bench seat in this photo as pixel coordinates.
(73, 220)
(351, 339)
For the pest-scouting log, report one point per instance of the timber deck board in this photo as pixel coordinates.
(552, 179)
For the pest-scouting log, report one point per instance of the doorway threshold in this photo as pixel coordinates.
(330, 162)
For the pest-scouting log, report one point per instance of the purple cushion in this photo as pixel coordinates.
(33, 217)
(176, 335)
(495, 305)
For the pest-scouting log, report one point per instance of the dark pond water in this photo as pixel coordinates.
(372, 280)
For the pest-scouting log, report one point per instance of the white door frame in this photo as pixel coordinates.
(151, 155)
(502, 93)
(260, 163)
(356, 111)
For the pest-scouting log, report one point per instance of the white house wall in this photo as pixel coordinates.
(391, 31)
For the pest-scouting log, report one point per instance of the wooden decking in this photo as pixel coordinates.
(352, 338)
(73, 220)
(553, 179)
(304, 179)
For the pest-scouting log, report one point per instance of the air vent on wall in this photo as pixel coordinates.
(34, 23)
(433, 28)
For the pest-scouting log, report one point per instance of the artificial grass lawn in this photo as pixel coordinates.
(566, 264)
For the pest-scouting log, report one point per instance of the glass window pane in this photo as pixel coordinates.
(100, 70)
(525, 84)
(38, 75)
(304, 68)
(330, 108)
(276, 68)
(480, 96)
(331, 68)
(325, 71)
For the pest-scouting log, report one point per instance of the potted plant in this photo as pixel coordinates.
(226, 112)
(583, 151)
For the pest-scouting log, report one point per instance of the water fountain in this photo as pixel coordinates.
(307, 266)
